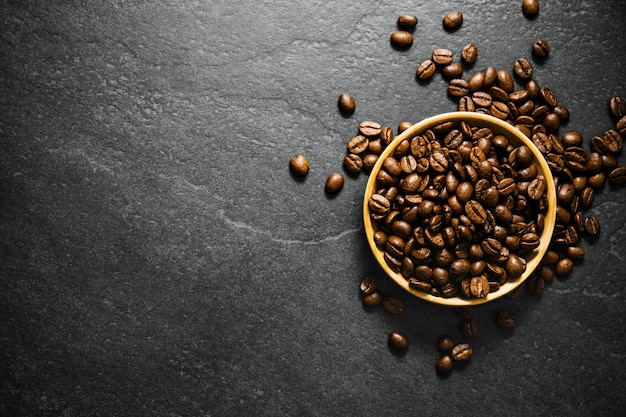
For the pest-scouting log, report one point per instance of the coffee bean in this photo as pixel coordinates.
(453, 20)
(442, 56)
(613, 141)
(563, 267)
(541, 48)
(506, 319)
(548, 96)
(401, 39)
(454, 70)
(523, 68)
(445, 344)
(618, 175)
(617, 106)
(530, 8)
(445, 364)
(373, 299)
(369, 284)
(369, 128)
(334, 183)
(469, 53)
(620, 126)
(592, 226)
(346, 103)
(398, 341)
(426, 69)
(393, 304)
(505, 81)
(469, 328)
(404, 126)
(299, 165)
(462, 352)
(407, 21)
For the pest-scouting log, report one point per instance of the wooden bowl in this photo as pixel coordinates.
(515, 138)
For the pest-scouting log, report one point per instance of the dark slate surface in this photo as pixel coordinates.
(158, 259)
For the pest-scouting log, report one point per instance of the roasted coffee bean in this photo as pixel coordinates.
(469, 328)
(442, 56)
(353, 163)
(369, 128)
(346, 103)
(299, 165)
(373, 299)
(523, 68)
(548, 96)
(613, 140)
(617, 106)
(398, 341)
(393, 304)
(530, 8)
(461, 352)
(401, 39)
(506, 319)
(505, 81)
(476, 81)
(445, 364)
(453, 20)
(499, 109)
(369, 284)
(618, 175)
(537, 188)
(563, 267)
(592, 226)
(515, 266)
(454, 70)
(445, 344)
(334, 183)
(575, 253)
(541, 48)
(407, 21)
(469, 53)
(426, 69)
(482, 99)
(379, 204)
(476, 212)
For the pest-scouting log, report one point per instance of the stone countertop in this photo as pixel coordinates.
(157, 257)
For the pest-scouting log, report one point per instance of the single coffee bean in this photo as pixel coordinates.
(523, 68)
(353, 163)
(445, 364)
(426, 69)
(548, 96)
(346, 103)
(454, 70)
(442, 56)
(515, 266)
(469, 328)
(373, 299)
(453, 20)
(620, 126)
(506, 319)
(592, 226)
(398, 341)
(299, 165)
(462, 352)
(530, 8)
(334, 183)
(393, 304)
(618, 175)
(469, 53)
(541, 48)
(613, 140)
(499, 109)
(401, 39)
(617, 106)
(369, 161)
(379, 204)
(404, 126)
(369, 128)
(575, 253)
(482, 99)
(505, 81)
(369, 284)
(563, 267)
(407, 21)
(445, 344)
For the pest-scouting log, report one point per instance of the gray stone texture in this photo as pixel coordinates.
(158, 259)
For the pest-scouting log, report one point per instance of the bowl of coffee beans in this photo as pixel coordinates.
(459, 209)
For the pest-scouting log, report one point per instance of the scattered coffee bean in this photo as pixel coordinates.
(346, 103)
(469, 53)
(299, 165)
(426, 69)
(407, 21)
(523, 68)
(393, 304)
(453, 20)
(454, 70)
(445, 344)
(442, 56)
(469, 328)
(369, 284)
(506, 318)
(541, 48)
(445, 364)
(398, 341)
(563, 267)
(530, 8)
(401, 39)
(373, 299)
(334, 183)
(462, 352)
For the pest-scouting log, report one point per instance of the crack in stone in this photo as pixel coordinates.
(237, 225)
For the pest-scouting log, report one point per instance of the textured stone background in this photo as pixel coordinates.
(158, 259)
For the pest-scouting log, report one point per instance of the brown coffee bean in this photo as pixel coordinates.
(393, 304)
(592, 226)
(442, 56)
(445, 344)
(334, 183)
(617, 106)
(505, 81)
(401, 39)
(541, 48)
(618, 175)
(515, 266)
(613, 140)
(453, 20)
(369, 284)
(299, 165)
(373, 299)
(353, 163)
(346, 103)
(462, 352)
(523, 68)
(407, 21)
(563, 267)
(469, 53)
(530, 8)
(398, 341)
(454, 70)
(469, 328)
(458, 87)
(445, 364)
(548, 96)
(575, 253)
(506, 319)
(499, 109)
(426, 69)
(369, 128)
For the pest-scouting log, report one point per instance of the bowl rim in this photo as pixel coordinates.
(501, 127)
